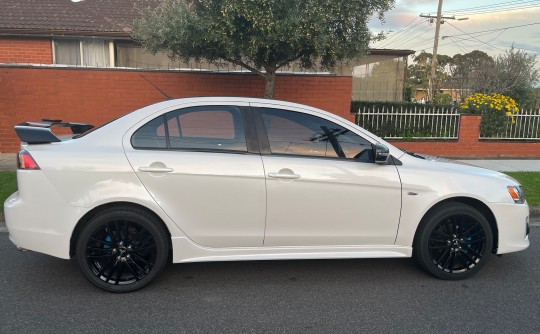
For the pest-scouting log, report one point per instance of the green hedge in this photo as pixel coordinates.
(357, 105)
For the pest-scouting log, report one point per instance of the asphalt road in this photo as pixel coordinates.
(41, 294)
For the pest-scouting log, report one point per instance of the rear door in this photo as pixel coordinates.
(201, 166)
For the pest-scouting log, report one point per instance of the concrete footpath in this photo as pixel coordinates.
(504, 165)
(8, 161)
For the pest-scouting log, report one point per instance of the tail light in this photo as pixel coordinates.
(26, 161)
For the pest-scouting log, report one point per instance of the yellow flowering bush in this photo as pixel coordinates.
(478, 102)
(497, 111)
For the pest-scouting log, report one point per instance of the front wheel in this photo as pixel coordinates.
(453, 242)
(122, 249)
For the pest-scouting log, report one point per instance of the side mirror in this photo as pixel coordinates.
(381, 153)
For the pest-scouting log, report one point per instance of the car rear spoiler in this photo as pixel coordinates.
(40, 132)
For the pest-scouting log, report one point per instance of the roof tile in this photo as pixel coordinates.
(64, 15)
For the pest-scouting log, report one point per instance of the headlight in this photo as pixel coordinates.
(517, 194)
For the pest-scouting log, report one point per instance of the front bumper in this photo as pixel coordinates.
(512, 223)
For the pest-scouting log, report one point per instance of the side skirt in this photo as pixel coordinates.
(184, 250)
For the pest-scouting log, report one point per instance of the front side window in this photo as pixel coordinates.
(199, 128)
(295, 133)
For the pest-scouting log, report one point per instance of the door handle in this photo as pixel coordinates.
(284, 176)
(155, 169)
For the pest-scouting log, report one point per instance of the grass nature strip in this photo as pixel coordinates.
(531, 185)
(529, 180)
(8, 185)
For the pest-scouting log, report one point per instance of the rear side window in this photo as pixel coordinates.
(150, 135)
(198, 128)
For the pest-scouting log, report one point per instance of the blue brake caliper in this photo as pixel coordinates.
(108, 239)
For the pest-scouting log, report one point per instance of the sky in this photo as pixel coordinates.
(492, 26)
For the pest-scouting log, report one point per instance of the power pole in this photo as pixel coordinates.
(435, 46)
(439, 20)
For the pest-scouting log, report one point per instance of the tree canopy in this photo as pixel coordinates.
(420, 71)
(512, 73)
(261, 36)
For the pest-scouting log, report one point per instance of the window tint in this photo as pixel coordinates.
(150, 135)
(205, 128)
(301, 134)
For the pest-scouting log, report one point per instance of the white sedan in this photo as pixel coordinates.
(227, 179)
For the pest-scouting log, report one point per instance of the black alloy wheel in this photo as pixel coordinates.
(122, 250)
(454, 242)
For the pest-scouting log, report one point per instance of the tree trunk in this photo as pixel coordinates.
(270, 78)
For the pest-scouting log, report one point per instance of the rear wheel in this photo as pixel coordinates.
(454, 242)
(122, 249)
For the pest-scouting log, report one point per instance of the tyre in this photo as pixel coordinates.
(453, 242)
(122, 249)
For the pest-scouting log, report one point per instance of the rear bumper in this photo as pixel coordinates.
(29, 230)
(40, 221)
(512, 223)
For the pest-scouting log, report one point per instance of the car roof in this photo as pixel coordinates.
(228, 99)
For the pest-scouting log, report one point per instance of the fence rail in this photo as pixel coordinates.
(420, 122)
(525, 125)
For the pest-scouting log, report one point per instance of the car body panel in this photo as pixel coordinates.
(80, 175)
(331, 203)
(427, 183)
(218, 199)
(185, 250)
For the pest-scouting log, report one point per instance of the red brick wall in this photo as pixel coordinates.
(97, 96)
(26, 51)
(469, 146)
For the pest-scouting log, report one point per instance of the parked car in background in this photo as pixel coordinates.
(220, 179)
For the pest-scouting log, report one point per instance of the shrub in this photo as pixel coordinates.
(357, 106)
(442, 98)
(497, 112)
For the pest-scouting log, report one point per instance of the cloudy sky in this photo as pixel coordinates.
(492, 26)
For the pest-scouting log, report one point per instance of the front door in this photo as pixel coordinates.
(323, 187)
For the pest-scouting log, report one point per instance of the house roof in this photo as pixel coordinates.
(400, 52)
(103, 18)
(57, 17)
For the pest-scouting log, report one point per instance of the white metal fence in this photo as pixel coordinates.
(420, 122)
(526, 126)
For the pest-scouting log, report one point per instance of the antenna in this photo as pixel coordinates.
(156, 87)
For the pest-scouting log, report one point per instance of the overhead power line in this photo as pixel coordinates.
(491, 30)
(402, 31)
(474, 37)
(504, 6)
(497, 11)
(424, 26)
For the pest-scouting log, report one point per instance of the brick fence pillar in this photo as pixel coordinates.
(469, 129)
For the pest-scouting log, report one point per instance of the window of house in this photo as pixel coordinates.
(198, 128)
(93, 53)
(295, 133)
